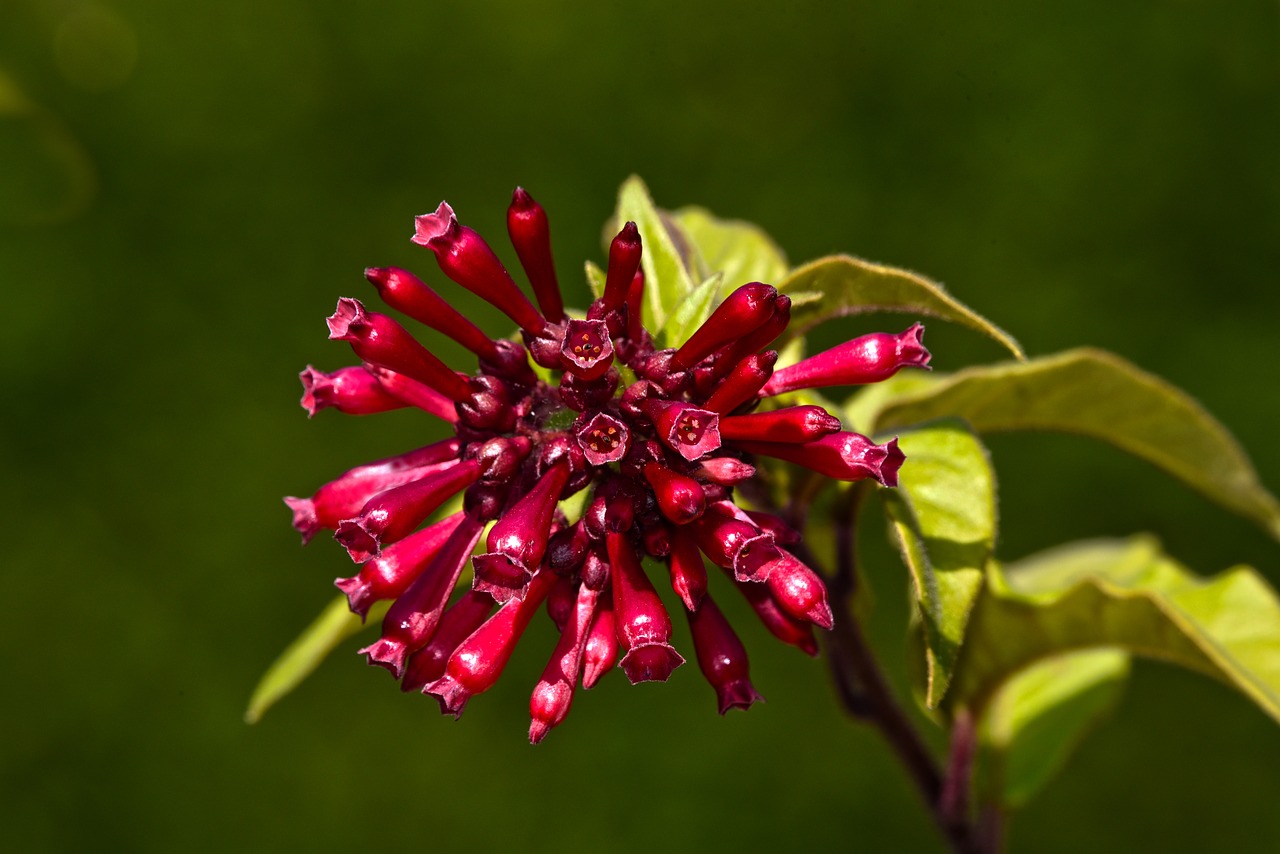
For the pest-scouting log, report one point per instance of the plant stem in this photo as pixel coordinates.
(865, 694)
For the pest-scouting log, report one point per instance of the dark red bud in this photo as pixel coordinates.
(799, 591)
(518, 540)
(624, 260)
(688, 573)
(753, 342)
(415, 393)
(560, 601)
(342, 498)
(722, 657)
(602, 648)
(456, 625)
(392, 515)
(553, 694)
(795, 424)
(464, 257)
(643, 624)
(412, 618)
(586, 395)
(567, 548)
(478, 662)
(780, 624)
(405, 292)
(725, 471)
(733, 542)
(390, 574)
(843, 456)
(531, 236)
(680, 498)
(741, 313)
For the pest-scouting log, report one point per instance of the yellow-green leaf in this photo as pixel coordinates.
(1127, 594)
(335, 624)
(1040, 715)
(740, 251)
(943, 515)
(851, 285)
(1098, 394)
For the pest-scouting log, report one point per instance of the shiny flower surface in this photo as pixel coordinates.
(657, 441)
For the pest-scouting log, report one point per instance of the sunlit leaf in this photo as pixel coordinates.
(741, 251)
(1098, 394)
(667, 278)
(943, 515)
(1125, 594)
(595, 280)
(335, 624)
(1040, 715)
(696, 308)
(852, 286)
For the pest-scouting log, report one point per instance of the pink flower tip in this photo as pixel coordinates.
(886, 460)
(360, 538)
(650, 662)
(305, 521)
(358, 592)
(451, 694)
(432, 226)
(739, 694)
(388, 653)
(500, 577)
(349, 312)
(911, 349)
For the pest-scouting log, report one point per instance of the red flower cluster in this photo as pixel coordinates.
(661, 456)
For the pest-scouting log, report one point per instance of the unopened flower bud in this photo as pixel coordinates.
(721, 657)
(464, 257)
(725, 471)
(680, 498)
(624, 260)
(390, 574)
(392, 515)
(799, 591)
(406, 293)
(531, 236)
(602, 648)
(795, 424)
(741, 313)
(553, 694)
(518, 540)
(743, 383)
(643, 624)
(378, 339)
(478, 662)
(688, 573)
(781, 625)
(868, 359)
(456, 624)
(414, 393)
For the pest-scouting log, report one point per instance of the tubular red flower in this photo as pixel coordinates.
(392, 515)
(412, 618)
(753, 342)
(414, 393)
(530, 234)
(735, 544)
(390, 574)
(743, 383)
(686, 429)
(587, 349)
(456, 624)
(601, 651)
(519, 539)
(722, 657)
(405, 292)
(688, 573)
(643, 625)
(353, 391)
(799, 591)
(742, 312)
(795, 424)
(624, 261)
(553, 694)
(478, 662)
(868, 359)
(680, 498)
(342, 498)
(725, 471)
(604, 439)
(464, 257)
(783, 626)
(381, 341)
(843, 456)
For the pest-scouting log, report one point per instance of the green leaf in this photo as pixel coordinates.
(696, 308)
(1125, 594)
(595, 280)
(852, 286)
(1098, 394)
(741, 251)
(943, 514)
(667, 277)
(335, 624)
(1037, 719)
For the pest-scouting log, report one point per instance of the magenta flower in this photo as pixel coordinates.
(659, 441)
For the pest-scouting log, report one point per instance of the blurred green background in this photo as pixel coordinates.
(186, 188)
